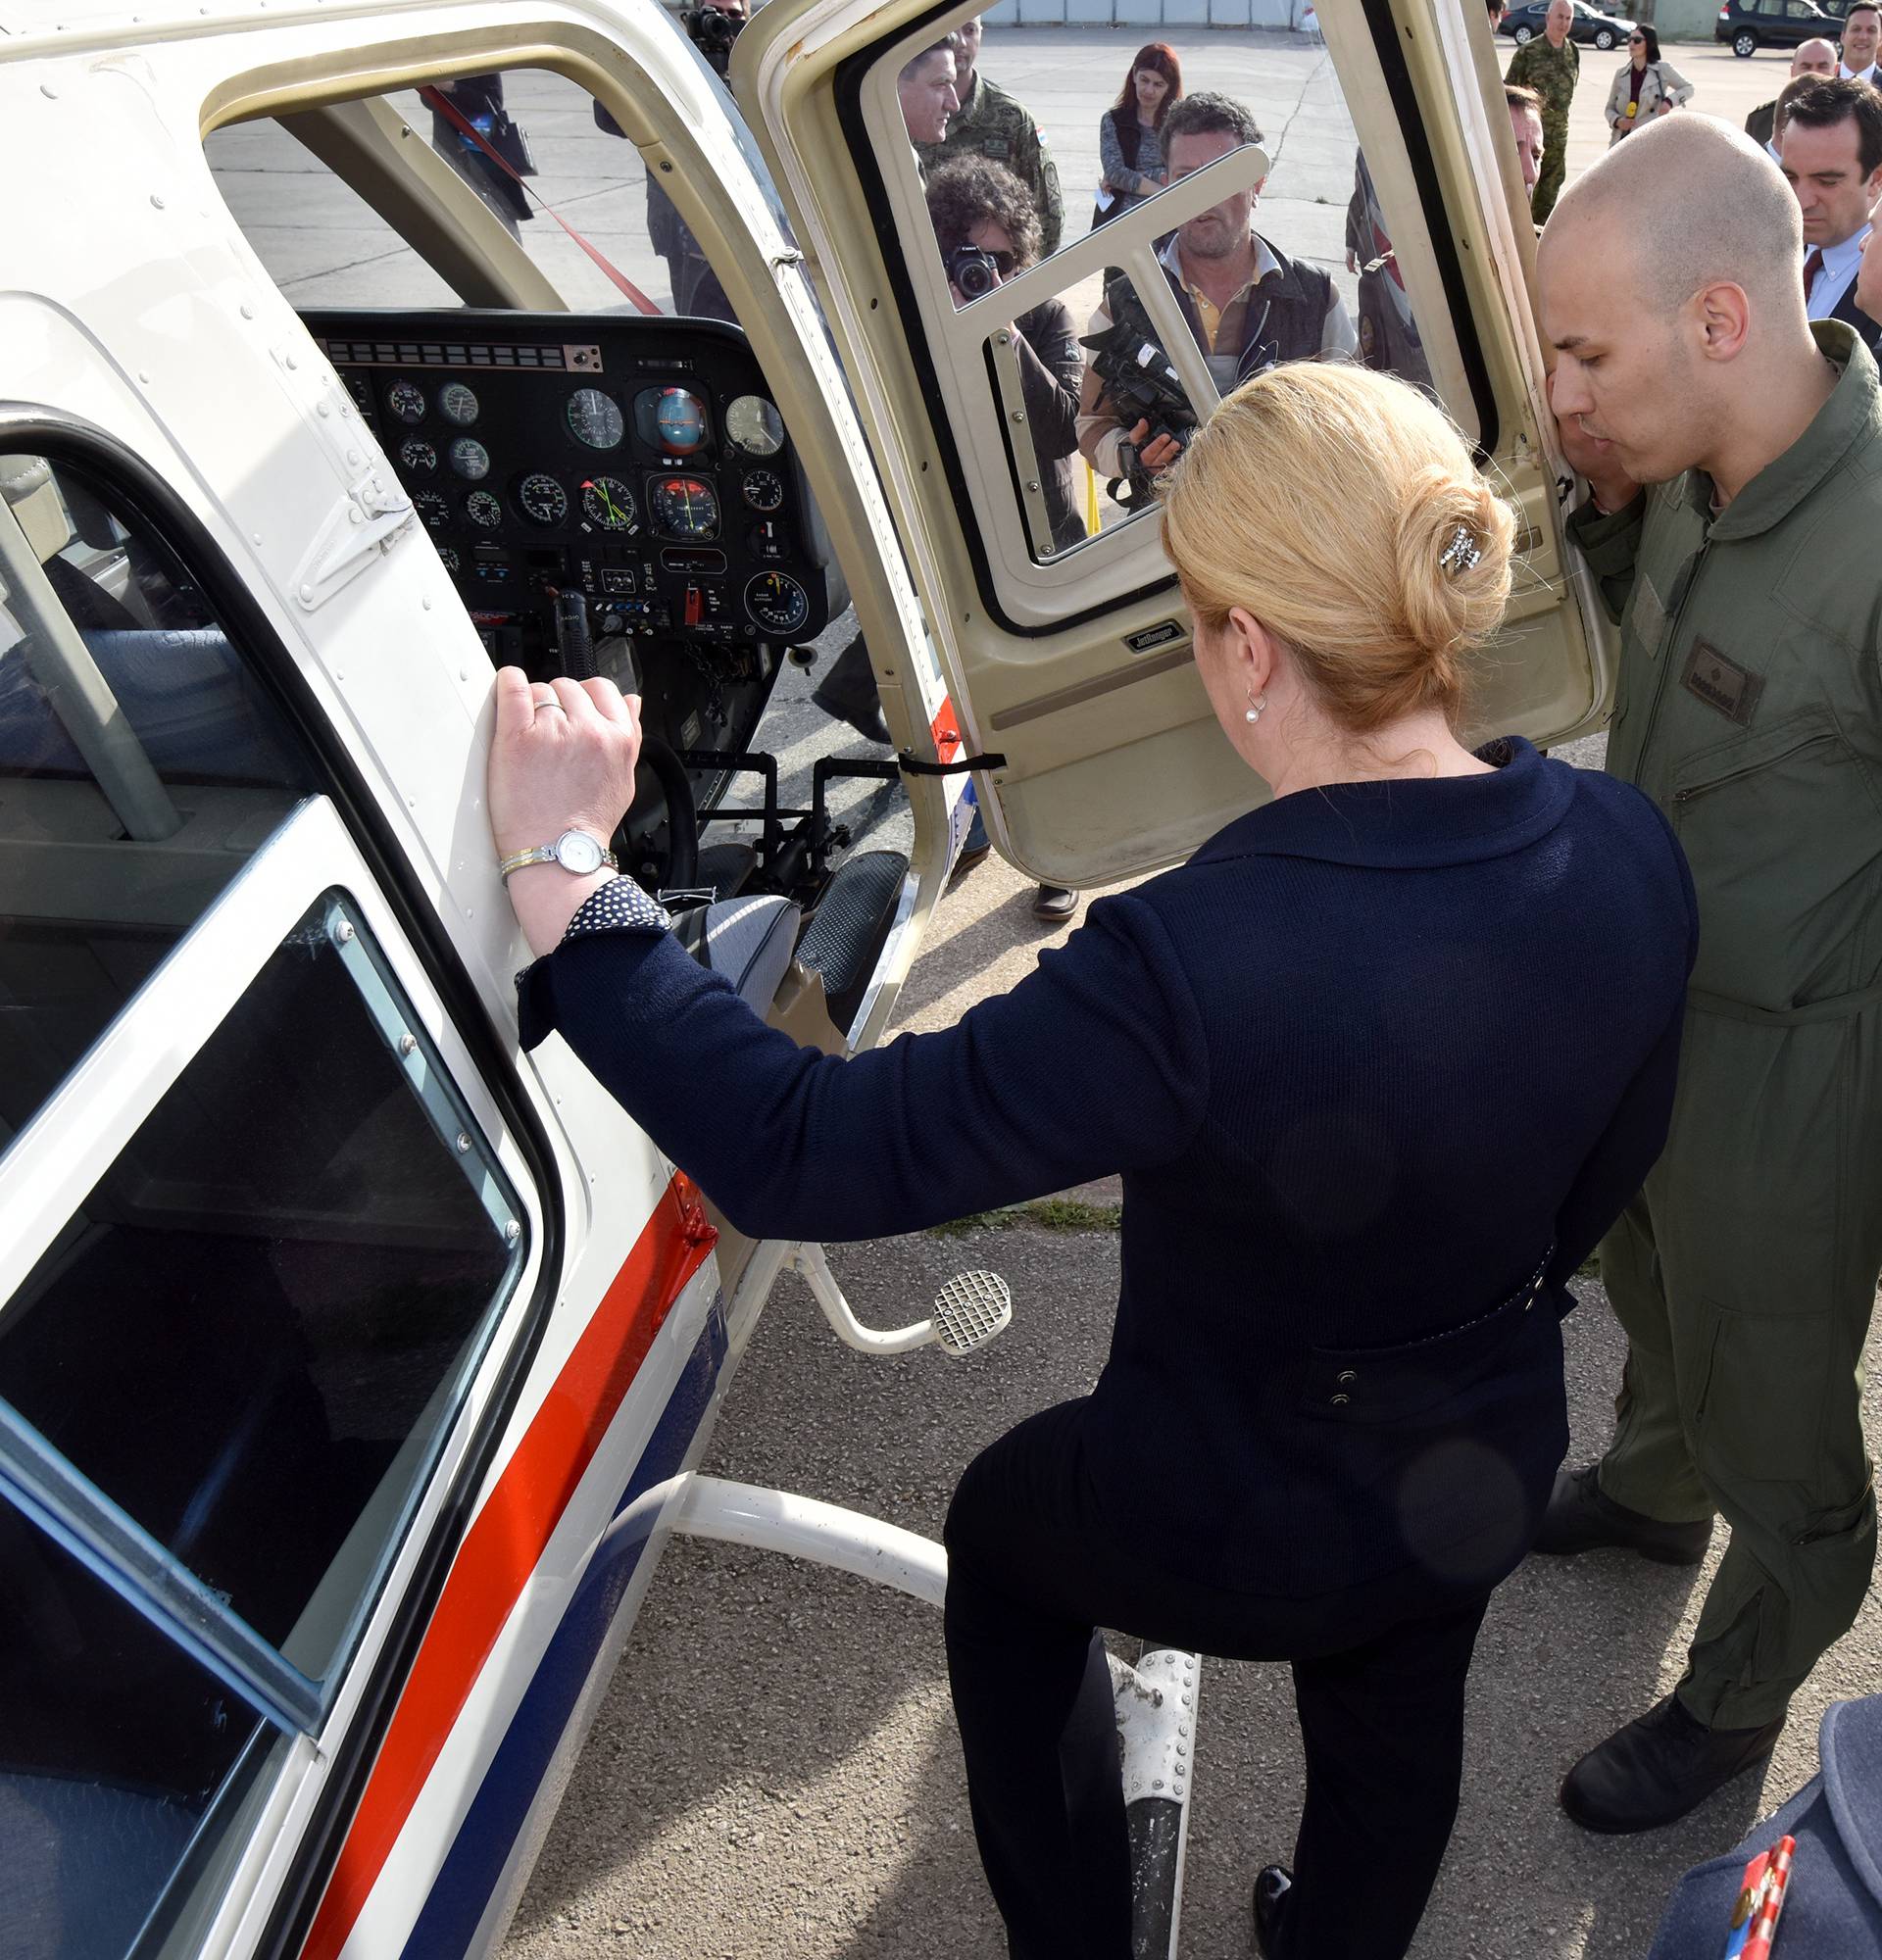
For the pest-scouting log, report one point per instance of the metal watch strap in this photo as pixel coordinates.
(551, 854)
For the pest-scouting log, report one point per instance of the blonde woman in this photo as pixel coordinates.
(1646, 87)
(1379, 1064)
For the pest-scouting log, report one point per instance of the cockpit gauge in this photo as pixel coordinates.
(608, 502)
(595, 418)
(684, 508)
(406, 400)
(777, 603)
(763, 489)
(542, 499)
(434, 507)
(459, 404)
(481, 507)
(469, 459)
(756, 426)
(680, 420)
(418, 456)
(450, 560)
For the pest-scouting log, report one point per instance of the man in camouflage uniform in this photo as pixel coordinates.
(1551, 66)
(990, 123)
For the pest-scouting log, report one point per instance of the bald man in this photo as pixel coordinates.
(1749, 707)
(1810, 57)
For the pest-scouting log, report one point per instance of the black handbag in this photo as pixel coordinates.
(509, 143)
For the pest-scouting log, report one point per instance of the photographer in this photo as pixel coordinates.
(1248, 307)
(987, 228)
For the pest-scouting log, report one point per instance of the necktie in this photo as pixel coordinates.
(1812, 265)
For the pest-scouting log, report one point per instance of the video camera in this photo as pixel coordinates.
(713, 33)
(1141, 385)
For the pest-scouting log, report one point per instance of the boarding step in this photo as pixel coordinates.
(970, 1311)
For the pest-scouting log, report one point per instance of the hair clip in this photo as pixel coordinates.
(1462, 553)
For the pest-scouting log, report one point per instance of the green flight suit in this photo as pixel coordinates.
(1553, 74)
(990, 123)
(1750, 708)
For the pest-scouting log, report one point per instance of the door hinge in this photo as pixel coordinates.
(363, 526)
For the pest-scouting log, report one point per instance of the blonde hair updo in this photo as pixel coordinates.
(1341, 509)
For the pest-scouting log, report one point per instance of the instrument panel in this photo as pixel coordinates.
(639, 462)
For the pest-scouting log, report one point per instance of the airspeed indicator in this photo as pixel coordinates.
(609, 503)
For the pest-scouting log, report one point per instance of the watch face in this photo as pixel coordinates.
(577, 851)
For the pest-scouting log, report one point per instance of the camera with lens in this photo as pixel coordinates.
(972, 272)
(713, 31)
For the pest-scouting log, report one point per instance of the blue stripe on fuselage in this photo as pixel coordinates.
(449, 1919)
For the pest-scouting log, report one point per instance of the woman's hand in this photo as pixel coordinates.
(562, 759)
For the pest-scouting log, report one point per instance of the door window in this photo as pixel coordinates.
(258, 1235)
(1011, 195)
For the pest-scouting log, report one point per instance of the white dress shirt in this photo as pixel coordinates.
(1835, 274)
(1858, 75)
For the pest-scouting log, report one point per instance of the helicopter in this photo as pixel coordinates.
(355, 1367)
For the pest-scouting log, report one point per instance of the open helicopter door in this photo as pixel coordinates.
(1060, 629)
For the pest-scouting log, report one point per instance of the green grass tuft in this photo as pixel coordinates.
(1045, 1214)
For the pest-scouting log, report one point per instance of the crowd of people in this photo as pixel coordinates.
(1372, 1401)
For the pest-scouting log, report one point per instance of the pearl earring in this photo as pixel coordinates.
(1255, 706)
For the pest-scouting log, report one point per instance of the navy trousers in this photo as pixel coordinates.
(1034, 1568)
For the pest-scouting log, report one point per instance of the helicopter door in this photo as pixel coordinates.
(1060, 629)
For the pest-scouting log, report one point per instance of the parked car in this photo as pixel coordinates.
(1750, 24)
(1523, 23)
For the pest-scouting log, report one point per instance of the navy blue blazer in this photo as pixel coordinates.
(1379, 1065)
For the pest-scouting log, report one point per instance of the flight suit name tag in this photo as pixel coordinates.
(1721, 683)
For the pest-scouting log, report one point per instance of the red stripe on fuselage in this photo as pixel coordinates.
(501, 1548)
(947, 736)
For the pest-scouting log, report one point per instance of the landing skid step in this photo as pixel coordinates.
(1155, 1700)
(970, 1311)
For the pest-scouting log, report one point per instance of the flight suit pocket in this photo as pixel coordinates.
(1776, 825)
(1760, 1414)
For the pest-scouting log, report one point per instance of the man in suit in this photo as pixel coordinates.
(1832, 160)
(1862, 35)
(1813, 57)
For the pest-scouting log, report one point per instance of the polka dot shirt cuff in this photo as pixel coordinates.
(619, 906)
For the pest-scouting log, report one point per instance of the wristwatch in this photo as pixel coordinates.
(574, 850)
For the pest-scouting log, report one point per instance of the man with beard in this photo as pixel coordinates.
(1247, 305)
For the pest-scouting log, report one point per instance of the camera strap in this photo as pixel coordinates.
(436, 98)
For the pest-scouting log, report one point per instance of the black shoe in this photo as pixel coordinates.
(974, 845)
(1659, 1767)
(847, 693)
(1273, 1883)
(1055, 903)
(1580, 1519)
